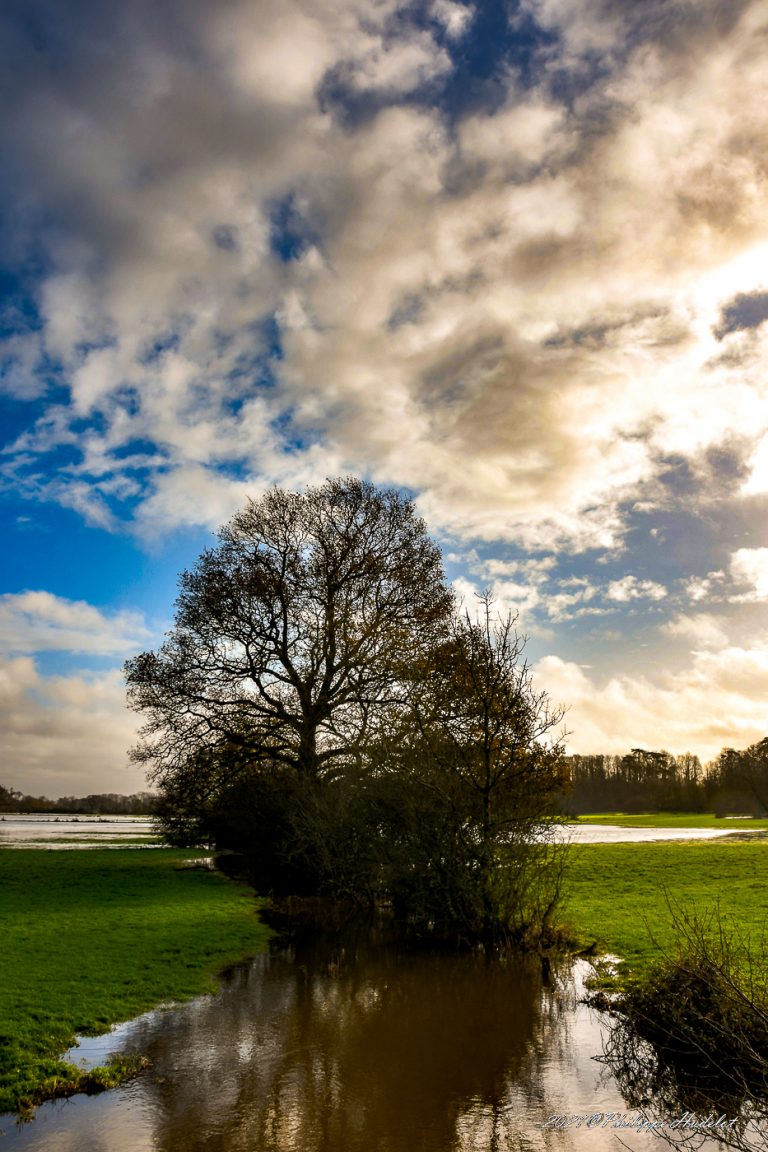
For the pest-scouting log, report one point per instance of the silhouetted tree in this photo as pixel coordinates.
(320, 706)
(293, 643)
(9, 799)
(476, 769)
(292, 634)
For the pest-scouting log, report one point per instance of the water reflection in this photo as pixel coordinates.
(671, 1077)
(354, 1046)
(618, 834)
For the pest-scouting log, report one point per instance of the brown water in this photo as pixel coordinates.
(352, 1046)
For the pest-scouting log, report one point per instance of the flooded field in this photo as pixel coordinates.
(616, 834)
(48, 831)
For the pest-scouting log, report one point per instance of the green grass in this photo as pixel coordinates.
(672, 820)
(91, 937)
(615, 893)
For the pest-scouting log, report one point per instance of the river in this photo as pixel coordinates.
(351, 1045)
(355, 1046)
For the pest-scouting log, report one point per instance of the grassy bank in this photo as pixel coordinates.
(673, 820)
(94, 937)
(615, 892)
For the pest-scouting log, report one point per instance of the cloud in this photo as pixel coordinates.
(757, 481)
(630, 588)
(702, 630)
(454, 17)
(514, 313)
(700, 588)
(65, 734)
(750, 566)
(717, 700)
(395, 67)
(580, 598)
(41, 622)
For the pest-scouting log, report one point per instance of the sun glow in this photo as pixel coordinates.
(747, 272)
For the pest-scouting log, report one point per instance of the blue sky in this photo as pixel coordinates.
(511, 258)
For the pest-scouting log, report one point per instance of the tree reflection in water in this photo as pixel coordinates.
(355, 1045)
(659, 1079)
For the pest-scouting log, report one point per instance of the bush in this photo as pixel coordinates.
(692, 1036)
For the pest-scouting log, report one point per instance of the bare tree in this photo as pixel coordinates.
(292, 634)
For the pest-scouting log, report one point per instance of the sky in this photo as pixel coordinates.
(510, 258)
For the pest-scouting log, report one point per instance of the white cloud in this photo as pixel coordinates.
(750, 566)
(757, 483)
(578, 600)
(398, 67)
(41, 622)
(630, 588)
(509, 599)
(700, 588)
(718, 700)
(66, 734)
(536, 570)
(454, 17)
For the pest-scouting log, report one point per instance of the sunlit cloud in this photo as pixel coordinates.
(65, 734)
(750, 566)
(712, 703)
(701, 630)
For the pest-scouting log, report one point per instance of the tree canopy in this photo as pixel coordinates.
(321, 706)
(292, 635)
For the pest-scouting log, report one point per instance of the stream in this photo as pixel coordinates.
(354, 1044)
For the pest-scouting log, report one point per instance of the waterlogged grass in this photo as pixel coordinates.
(90, 938)
(616, 894)
(673, 820)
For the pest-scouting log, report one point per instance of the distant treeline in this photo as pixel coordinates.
(642, 781)
(101, 804)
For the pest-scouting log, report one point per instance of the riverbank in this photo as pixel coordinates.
(616, 903)
(94, 937)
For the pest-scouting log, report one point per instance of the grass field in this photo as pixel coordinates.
(673, 820)
(93, 937)
(615, 893)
